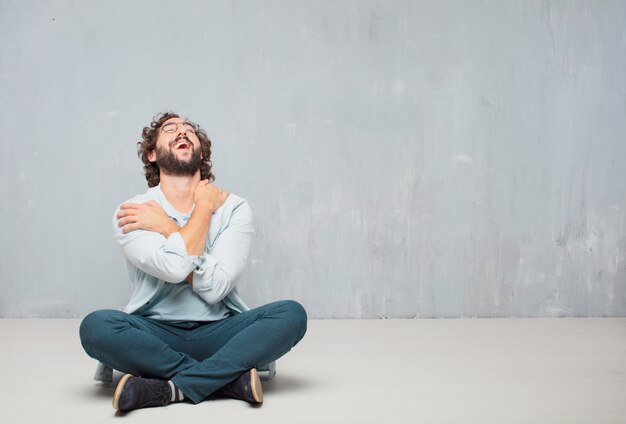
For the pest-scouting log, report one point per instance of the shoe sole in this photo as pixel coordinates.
(118, 391)
(255, 386)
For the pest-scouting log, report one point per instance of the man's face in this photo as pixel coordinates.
(178, 150)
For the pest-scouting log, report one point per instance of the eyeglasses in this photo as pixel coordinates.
(171, 127)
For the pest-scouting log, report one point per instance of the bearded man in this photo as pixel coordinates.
(186, 333)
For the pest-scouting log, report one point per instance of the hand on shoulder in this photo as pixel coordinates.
(148, 216)
(209, 196)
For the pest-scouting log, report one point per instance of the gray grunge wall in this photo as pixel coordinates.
(402, 158)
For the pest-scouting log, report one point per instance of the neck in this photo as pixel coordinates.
(180, 190)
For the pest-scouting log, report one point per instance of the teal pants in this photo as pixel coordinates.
(199, 357)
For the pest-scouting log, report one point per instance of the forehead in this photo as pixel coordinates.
(172, 120)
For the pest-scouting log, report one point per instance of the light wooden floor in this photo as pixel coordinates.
(357, 371)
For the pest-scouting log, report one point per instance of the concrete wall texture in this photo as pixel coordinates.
(402, 158)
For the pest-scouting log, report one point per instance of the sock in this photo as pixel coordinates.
(177, 394)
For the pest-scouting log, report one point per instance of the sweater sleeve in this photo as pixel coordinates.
(217, 272)
(163, 258)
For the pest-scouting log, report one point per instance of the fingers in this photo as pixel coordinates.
(135, 206)
(126, 221)
(130, 227)
(206, 189)
(127, 209)
(130, 209)
(222, 196)
(127, 212)
(219, 192)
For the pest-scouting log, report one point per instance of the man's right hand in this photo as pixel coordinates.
(209, 196)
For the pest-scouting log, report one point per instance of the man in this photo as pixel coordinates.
(186, 334)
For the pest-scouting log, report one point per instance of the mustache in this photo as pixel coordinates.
(177, 139)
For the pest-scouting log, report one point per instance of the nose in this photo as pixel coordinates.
(181, 129)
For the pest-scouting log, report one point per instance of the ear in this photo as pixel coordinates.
(152, 156)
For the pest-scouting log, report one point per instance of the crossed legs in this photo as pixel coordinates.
(199, 358)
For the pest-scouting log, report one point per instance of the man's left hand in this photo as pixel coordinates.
(148, 216)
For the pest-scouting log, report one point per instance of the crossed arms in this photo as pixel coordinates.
(155, 244)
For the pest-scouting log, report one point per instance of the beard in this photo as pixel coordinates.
(171, 165)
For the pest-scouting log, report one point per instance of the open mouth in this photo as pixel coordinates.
(181, 144)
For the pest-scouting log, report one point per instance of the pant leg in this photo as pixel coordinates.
(230, 347)
(235, 344)
(134, 344)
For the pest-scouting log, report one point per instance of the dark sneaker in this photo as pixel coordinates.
(135, 392)
(246, 387)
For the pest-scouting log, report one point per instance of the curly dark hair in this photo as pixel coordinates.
(149, 137)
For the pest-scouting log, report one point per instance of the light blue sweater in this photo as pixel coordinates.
(158, 267)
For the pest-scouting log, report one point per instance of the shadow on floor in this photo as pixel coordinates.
(284, 383)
